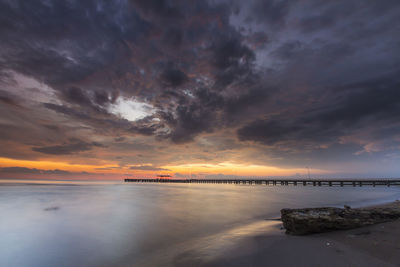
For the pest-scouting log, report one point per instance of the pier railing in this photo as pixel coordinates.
(282, 182)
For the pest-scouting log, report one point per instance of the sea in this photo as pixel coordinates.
(109, 223)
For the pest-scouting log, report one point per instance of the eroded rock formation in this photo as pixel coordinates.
(318, 220)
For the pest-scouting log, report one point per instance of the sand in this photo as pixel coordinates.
(377, 245)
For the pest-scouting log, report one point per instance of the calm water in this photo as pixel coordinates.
(102, 224)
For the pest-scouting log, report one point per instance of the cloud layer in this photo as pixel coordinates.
(258, 82)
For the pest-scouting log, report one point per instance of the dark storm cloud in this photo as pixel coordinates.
(268, 131)
(325, 16)
(232, 60)
(229, 52)
(190, 120)
(272, 12)
(336, 84)
(94, 102)
(63, 42)
(258, 39)
(315, 23)
(352, 107)
(195, 115)
(76, 95)
(288, 50)
(66, 149)
(375, 98)
(207, 110)
(281, 73)
(173, 77)
(239, 105)
(101, 98)
(173, 37)
(158, 8)
(144, 130)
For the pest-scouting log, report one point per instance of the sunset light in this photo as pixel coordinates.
(199, 133)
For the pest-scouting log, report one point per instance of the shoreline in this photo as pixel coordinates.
(374, 245)
(374, 203)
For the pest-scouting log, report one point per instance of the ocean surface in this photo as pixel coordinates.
(61, 223)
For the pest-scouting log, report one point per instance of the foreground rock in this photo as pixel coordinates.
(318, 220)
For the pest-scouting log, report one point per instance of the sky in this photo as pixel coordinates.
(135, 88)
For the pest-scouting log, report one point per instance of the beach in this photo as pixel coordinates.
(376, 245)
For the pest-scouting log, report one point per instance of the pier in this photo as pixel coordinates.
(278, 182)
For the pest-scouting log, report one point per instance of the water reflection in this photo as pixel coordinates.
(145, 224)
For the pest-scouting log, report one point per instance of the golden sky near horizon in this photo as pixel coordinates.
(183, 170)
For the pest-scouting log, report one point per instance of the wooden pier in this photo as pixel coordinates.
(276, 182)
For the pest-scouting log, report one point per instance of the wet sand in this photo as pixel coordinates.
(376, 245)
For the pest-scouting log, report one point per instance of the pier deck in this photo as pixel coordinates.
(275, 182)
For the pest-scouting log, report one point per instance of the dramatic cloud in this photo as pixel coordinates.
(353, 109)
(66, 149)
(173, 77)
(179, 82)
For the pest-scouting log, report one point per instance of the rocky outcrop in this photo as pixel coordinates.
(318, 220)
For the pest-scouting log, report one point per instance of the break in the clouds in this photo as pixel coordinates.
(166, 83)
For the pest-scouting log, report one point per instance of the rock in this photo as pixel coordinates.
(318, 220)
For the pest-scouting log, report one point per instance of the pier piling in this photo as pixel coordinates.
(282, 182)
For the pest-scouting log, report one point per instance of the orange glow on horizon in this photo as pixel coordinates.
(52, 165)
(225, 168)
(229, 168)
